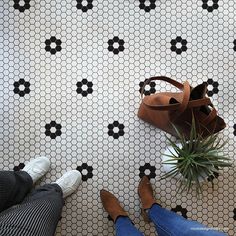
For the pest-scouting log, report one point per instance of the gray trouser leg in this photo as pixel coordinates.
(14, 186)
(37, 215)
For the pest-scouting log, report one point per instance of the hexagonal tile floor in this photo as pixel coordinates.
(70, 79)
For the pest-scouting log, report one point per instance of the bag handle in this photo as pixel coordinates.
(178, 107)
(211, 116)
(162, 78)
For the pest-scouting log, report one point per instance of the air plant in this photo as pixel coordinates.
(195, 158)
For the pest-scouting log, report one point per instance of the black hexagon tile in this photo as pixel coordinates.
(21, 5)
(180, 209)
(19, 167)
(22, 87)
(235, 45)
(109, 218)
(149, 88)
(147, 170)
(147, 5)
(116, 45)
(53, 129)
(86, 171)
(212, 87)
(178, 45)
(234, 213)
(234, 129)
(116, 129)
(53, 45)
(215, 175)
(84, 5)
(210, 5)
(84, 87)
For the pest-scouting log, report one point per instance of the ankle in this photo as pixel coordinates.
(153, 206)
(122, 219)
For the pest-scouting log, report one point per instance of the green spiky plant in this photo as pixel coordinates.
(196, 157)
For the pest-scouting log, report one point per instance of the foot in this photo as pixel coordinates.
(37, 168)
(112, 205)
(69, 182)
(145, 193)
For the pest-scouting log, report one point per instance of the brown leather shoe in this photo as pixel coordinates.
(112, 205)
(145, 193)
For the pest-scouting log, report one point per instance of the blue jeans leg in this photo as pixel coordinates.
(125, 227)
(168, 223)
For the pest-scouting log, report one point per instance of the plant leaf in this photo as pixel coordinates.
(197, 157)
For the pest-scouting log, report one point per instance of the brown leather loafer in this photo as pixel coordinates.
(112, 205)
(145, 193)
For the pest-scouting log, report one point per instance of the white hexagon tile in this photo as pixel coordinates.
(70, 79)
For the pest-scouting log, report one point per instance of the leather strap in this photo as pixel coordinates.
(162, 78)
(179, 107)
(186, 96)
(212, 115)
(176, 106)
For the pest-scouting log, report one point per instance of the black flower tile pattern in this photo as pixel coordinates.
(116, 129)
(147, 170)
(84, 54)
(116, 45)
(215, 175)
(53, 129)
(235, 45)
(149, 88)
(21, 5)
(84, 7)
(234, 129)
(180, 209)
(234, 213)
(86, 171)
(178, 45)
(53, 48)
(84, 87)
(212, 87)
(147, 5)
(210, 5)
(22, 87)
(19, 167)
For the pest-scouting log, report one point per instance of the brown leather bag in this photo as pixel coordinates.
(166, 109)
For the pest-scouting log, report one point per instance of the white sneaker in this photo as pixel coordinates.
(69, 182)
(37, 168)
